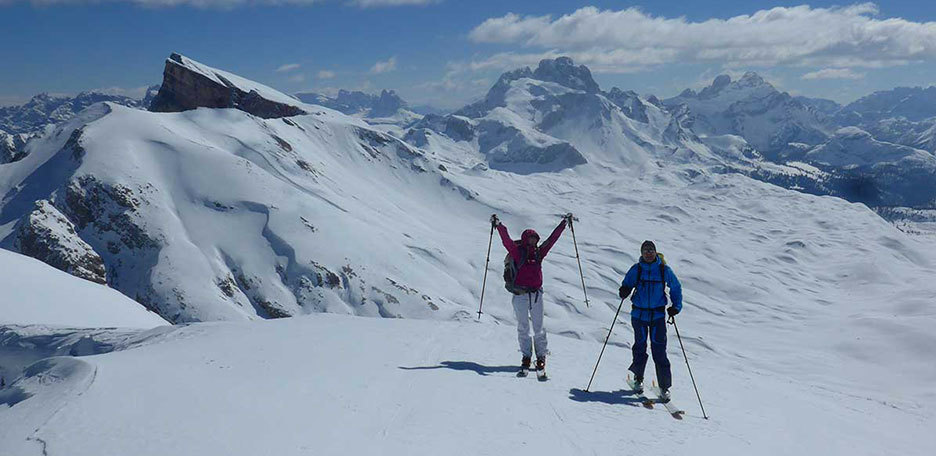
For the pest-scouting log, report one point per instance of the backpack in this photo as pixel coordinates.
(511, 268)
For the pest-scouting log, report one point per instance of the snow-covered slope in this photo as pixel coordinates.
(335, 385)
(36, 293)
(216, 214)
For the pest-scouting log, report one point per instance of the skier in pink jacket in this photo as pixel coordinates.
(528, 257)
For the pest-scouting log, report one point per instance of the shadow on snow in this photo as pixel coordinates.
(608, 397)
(467, 366)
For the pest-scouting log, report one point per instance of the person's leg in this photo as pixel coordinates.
(639, 349)
(539, 332)
(658, 348)
(521, 307)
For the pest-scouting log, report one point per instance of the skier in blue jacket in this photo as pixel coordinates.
(648, 280)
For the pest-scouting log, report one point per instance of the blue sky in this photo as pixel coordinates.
(448, 52)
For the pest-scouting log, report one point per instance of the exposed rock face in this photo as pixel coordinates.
(189, 85)
(630, 104)
(47, 235)
(12, 147)
(564, 72)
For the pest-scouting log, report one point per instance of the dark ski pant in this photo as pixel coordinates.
(657, 332)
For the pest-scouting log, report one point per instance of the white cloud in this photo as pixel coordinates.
(288, 67)
(297, 78)
(849, 36)
(833, 73)
(326, 74)
(384, 67)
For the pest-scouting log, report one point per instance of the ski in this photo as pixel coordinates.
(668, 403)
(639, 392)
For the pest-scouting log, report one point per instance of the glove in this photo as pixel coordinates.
(494, 220)
(672, 311)
(624, 291)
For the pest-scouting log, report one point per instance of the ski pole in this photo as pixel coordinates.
(486, 261)
(672, 321)
(605, 345)
(581, 274)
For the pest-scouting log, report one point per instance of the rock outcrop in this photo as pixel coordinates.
(188, 85)
(47, 235)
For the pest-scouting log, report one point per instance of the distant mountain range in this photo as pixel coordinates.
(45, 109)
(568, 111)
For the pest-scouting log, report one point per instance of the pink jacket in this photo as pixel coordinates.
(530, 274)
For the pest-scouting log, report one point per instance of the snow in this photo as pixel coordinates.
(329, 384)
(807, 319)
(36, 293)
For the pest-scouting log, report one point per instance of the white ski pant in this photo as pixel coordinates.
(529, 306)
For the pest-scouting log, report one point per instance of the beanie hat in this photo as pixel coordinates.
(647, 244)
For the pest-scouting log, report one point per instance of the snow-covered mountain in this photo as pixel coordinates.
(822, 105)
(814, 145)
(217, 214)
(44, 109)
(911, 103)
(13, 146)
(384, 109)
(556, 117)
(752, 108)
(263, 206)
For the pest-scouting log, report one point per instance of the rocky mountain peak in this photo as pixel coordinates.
(562, 70)
(751, 79)
(188, 84)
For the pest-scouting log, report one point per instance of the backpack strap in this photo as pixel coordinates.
(518, 265)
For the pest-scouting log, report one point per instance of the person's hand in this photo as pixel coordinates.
(494, 220)
(672, 311)
(624, 291)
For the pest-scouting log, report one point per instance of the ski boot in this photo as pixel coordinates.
(524, 367)
(541, 368)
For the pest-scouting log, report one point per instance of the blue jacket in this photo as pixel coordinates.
(649, 301)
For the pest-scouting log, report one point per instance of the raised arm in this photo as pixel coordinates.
(544, 249)
(508, 242)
